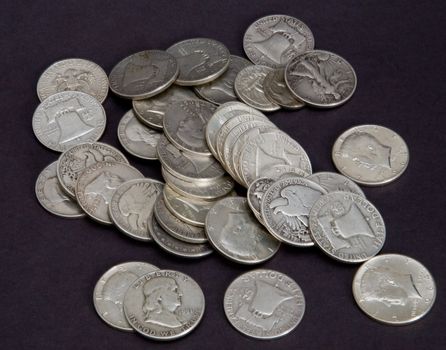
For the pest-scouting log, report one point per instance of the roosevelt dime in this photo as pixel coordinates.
(277, 91)
(333, 182)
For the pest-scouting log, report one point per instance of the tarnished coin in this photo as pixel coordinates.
(347, 227)
(255, 194)
(51, 196)
(164, 305)
(74, 160)
(136, 138)
(131, 206)
(221, 90)
(143, 74)
(73, 74)
(394, 289)
(151, 111)
(96, 184)
(333, 182)
(68, 118)
(277, 91)
(109, 292)
(321, 79)
(249, 88)
(285, 209)
(201, 60)
(371, 155)
(274, 40)
(264, 304)
(234, 232)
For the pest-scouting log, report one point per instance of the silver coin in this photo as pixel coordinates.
(143, 74)
(221, 90)
(96, 184)
(74, 160)
(50, 195)
(201, 60)
(109, 292)
(68, 118)
(277, 91)
(73, 74)
(255, 194)
(284, 171)
(131, 206)
(394, 289)
(151, 111)
(264, 304)
(371, 155)
(285, 209)
(176, 227)
(321, 79)
(347, 227)
(274, 40)
(249, 88)
(333, 182)
(234, 232)
(136, 138)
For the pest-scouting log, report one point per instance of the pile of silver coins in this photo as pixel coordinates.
(199, 111)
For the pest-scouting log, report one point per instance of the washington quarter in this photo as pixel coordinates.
(333, 182)
(277, 91)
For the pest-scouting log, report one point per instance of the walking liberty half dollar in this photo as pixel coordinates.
(394, 289)
(264, 304)
(164, 305)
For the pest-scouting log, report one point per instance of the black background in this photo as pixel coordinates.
(49, 265)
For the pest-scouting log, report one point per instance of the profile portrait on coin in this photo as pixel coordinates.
(103, 186)
(136, 132)
(191, 130)
(53, 192)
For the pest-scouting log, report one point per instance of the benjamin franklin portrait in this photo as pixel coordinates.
(191, 131)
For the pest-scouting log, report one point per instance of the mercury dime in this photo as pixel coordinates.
(394, 289)
(370, 155)
(51, 196)
(221, 90)
(164, 305)
(151, 111)
(321, 78)
(143, 74)
(201, 60)
(249, 88)
(255, 194)
(109, 292)
(96, 184)
(347, 227)
(333, 182)
(277, 91)
(132, 205)
(74, 160)
(68, 118)
(264, 304)
(286, 207)
(73, 74)
(274, 40)
(136, 138)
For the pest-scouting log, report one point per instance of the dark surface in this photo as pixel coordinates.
(49, 265)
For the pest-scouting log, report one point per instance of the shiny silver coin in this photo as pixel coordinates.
(176, 227)
(151, 111)
(51, 197)
(285, 209)
(264, 304)
(96, 184)
(333, 182)
(74, 160)
(143, 74)
(347, 227)
(201, 60)
(109, 292)
(394, 289)
(68, 118)
(321, 79)
(249, 88)
(136, 138)
(234, 232)
(274, 40)
(221, 90)
(131, 206)
(371, 155)
(73, 74)
(277, 91)
(164, 305)
(255, 194)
